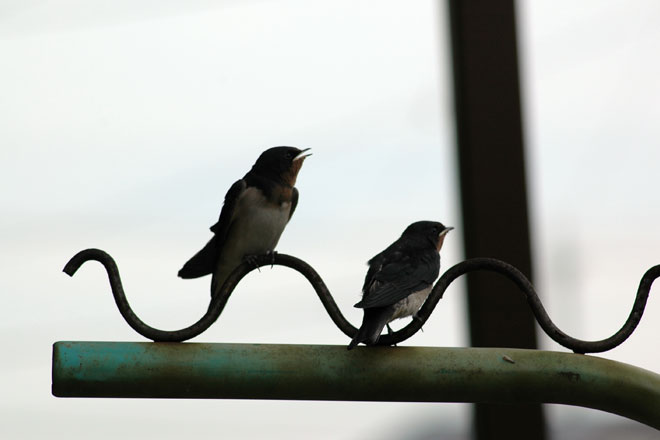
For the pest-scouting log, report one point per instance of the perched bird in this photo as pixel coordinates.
(400, 279)
(256, 210)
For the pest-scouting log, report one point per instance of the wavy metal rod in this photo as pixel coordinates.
(521, 281)
(218, 303)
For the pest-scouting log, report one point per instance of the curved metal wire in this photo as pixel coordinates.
(490, 264)
(521, 281)
(217, 303)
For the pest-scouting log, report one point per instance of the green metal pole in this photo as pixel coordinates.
(328, 372)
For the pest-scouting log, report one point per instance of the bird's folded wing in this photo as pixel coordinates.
(221, 228)
(203, 262)
(395, 281)
(294, 202)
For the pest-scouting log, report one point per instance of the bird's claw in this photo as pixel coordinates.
(420, 320)
(271, 254)
(390, 332)
(252, 259)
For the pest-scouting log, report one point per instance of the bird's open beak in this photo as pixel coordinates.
(447, 229)
(302, 154)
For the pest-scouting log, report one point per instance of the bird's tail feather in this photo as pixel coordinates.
(373, 322)
(201, 263)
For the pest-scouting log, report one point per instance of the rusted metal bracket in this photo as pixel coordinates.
(330, 372)
(490, 264)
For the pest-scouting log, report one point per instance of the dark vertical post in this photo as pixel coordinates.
(493, 191)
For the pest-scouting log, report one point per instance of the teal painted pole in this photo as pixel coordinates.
(328, 372)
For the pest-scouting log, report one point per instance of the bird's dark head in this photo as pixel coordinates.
(425, 231)
(281, 163)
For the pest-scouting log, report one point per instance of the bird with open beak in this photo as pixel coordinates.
(257, 208)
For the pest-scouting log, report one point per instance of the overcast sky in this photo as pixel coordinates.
(124, 123)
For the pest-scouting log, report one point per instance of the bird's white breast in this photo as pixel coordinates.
(411, 304)
(256, 225)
